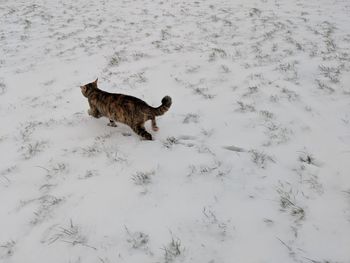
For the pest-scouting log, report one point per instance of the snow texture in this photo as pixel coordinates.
(251, 163)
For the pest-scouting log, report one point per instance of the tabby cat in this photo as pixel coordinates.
(123, 108)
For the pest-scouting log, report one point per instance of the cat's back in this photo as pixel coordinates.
(121, 99)
(105, 98)
(133, 100)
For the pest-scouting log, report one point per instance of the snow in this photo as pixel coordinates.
(251, 163)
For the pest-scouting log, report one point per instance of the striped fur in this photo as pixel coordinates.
(123, 108)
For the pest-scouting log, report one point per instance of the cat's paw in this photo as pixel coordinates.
(112, 124)
(148, 137)
(94, 114)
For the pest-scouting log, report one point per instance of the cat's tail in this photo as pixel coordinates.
(166, 103)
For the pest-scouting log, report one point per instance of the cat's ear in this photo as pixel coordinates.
(96, 81)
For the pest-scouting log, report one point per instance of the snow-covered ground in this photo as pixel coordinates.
(251, 163)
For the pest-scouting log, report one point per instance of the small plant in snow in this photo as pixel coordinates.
(4, 180)
(274, 98)
(254, 12)
(114, 155)
(137, 78)
(260, 159)
(2, 88)
(287, 203)
(114, 61)
(276, 133)
(31, 149)
(89, 174)
(217, 52)
(117, 58)
(143, 178)
(291, 95)
(28, 130)
(27, 24)
(309, 158)
(251, 90)
(55, 168)
(137, 240)
(71, 235)
(139, 55)
(193, 69)
(308, 172)
(332, 73)
(266, 114)
(173, 250)
(90, 151)
(59, 168)
(289, 70)
(205, 169)
(170, 142)
(203, 92)
(165, 35)
(191, 118)
(314, 184)
(7, 249)
(245, 107)
(225, 69)
(47, 203)
(210, 219)
(323, 86)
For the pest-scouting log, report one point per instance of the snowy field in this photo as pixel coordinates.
(251, 162)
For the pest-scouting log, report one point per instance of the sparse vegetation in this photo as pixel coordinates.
(71, 235)
(143, 178)
(117, 58)
(90, 173)
(137, 240)
(173, 250)
(45, 205)
(32, 149)
(253, 155)
(245, 107)
(7, 249)
(203, 92)
(288, 203)
(2, 88)
(170, 142)
(191, 118)
(261, 159)
(217, 53)
(211, 220)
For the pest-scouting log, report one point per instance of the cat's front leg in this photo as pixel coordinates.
(94, 113)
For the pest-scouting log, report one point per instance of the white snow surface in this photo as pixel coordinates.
(251, 162)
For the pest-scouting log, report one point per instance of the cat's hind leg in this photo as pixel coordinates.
(154, 124)
(140, 130)
(112, 123)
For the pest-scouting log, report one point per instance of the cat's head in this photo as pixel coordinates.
(88, 88)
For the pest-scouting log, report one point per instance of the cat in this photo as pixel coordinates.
(122, 108)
